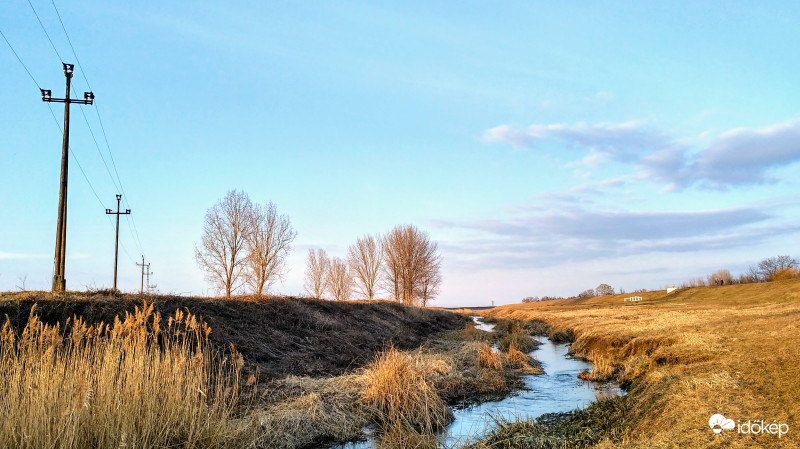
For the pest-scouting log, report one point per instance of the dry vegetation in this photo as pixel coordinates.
(141, 382)
(148, 381)
(732, 350)
(404, 393)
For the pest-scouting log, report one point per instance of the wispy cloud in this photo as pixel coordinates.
(733, 158)
(543, 238)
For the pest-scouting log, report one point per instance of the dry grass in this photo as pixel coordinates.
(519, 360)
(602, 368)
(400, 388)
(326, 409)
(139, 382)
(514, 333)
(732, 350)
(488, 359)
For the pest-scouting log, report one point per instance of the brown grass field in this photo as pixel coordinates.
(732, 350)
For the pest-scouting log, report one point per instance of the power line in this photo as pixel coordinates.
(120, 187)
(134, 230)
(20, 60)
(85, 177)
(58, 125)
(61, 131)
(99, 152)
(45, 31)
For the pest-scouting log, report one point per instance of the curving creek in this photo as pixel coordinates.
(557, 390)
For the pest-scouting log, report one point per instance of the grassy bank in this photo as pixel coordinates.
(280, 336)
(686, 356)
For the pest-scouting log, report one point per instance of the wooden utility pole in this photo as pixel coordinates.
(143, 265)
(116, 242)
(59, 282)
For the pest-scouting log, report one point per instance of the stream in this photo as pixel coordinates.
(557, 390)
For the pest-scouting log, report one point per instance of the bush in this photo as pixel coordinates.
(785, 273)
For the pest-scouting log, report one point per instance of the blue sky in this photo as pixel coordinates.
(547, 146)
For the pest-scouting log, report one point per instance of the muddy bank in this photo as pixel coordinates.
(280, 336)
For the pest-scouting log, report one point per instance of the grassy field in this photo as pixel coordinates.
(731, 350)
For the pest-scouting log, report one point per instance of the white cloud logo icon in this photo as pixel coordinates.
(718, 422)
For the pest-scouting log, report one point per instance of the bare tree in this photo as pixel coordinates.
(365, 258)
(771, 265)
(604, 289)
(222, 252)
(751, 275)
(412, 267)
(269, 240)
(340, 283)
(317, 268)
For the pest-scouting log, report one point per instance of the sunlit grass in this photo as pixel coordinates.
(732, 350)
(140, 382)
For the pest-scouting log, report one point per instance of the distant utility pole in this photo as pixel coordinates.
(59, 282)
(147, 274)
(143, 265)
(116, 242)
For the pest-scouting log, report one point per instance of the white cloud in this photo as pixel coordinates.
(504, 133)
(606, 142)
(736, 157)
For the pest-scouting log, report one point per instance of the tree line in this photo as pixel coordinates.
(245, 245)
(769, 269)
(404, 263)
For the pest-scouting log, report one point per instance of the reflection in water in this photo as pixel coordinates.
(557, 390)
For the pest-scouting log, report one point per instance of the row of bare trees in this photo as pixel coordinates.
(244, 245)
(769, 269)
(404, 263)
